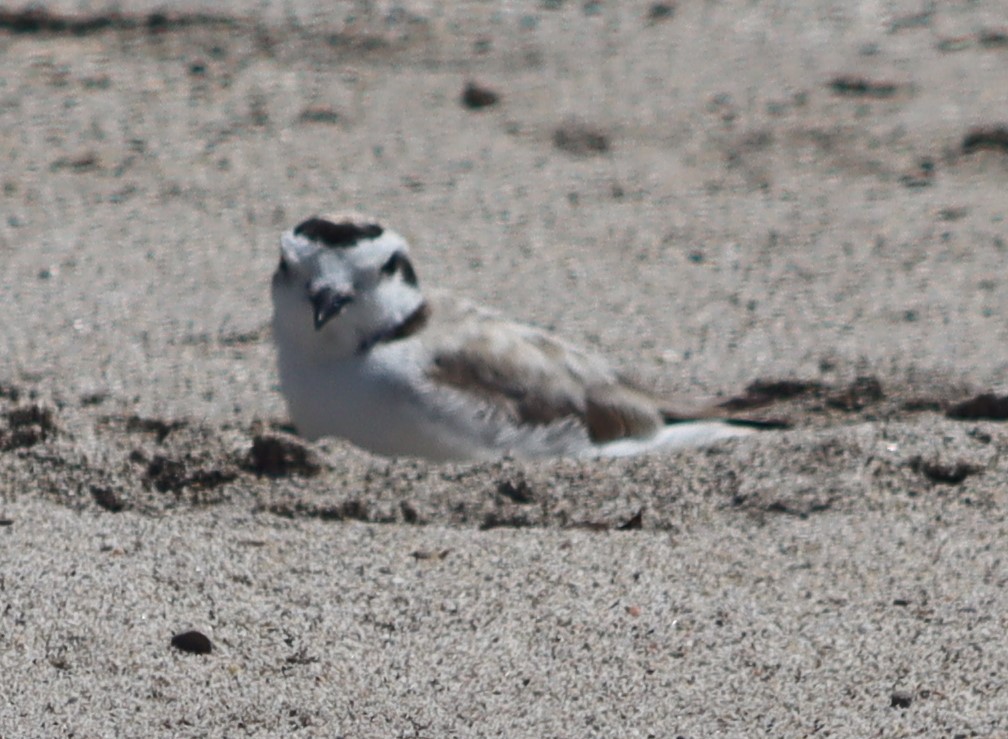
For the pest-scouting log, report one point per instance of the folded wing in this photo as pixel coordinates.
(535, 379)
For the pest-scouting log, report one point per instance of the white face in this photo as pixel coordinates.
(340, 281)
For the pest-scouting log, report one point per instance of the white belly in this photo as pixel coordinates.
(385, 404)
(376, 406)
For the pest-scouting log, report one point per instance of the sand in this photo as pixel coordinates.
(798, 204)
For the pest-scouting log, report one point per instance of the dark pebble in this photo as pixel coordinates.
(475, 96)
(193, 642)
(901, 699)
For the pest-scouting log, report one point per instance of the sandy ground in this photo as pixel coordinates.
(796, 203)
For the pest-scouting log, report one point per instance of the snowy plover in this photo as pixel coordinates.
(365, 355)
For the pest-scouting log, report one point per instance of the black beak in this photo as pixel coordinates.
(327, 304)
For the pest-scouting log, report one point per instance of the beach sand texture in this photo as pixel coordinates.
(799, 207)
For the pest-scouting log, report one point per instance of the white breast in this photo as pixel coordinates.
(380, 402)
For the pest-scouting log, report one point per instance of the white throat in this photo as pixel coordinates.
(374, 317)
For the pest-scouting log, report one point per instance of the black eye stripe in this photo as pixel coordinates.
(400, 263)
(408, 273)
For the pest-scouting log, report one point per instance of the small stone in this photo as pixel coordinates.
(901, 699)
(661, 11)
(476, 96)
(193, 642)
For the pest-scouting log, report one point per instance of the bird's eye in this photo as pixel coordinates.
(391, 265)
(399, 262)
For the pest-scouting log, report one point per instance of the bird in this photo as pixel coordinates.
(366, 355)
